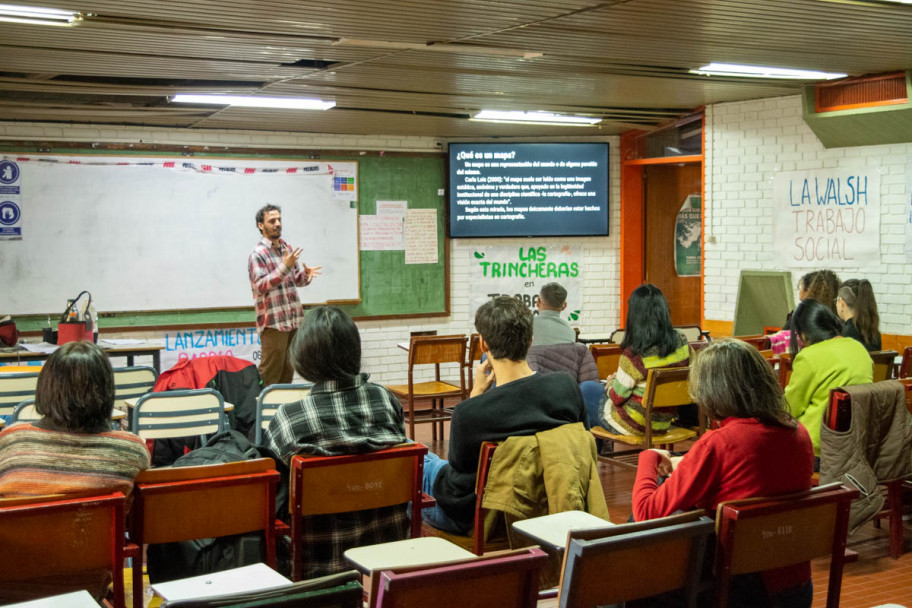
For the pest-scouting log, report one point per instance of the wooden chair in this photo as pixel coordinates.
(132, 383)
(269, 401)
(62, 542)
(693, 333)
(432, 350)
(838, 416)
(665, 388)
(617, 336)
(476, 543)
(905, 367)
(15, 388)
(698, 345)
(174, 414)
(760, 534)
(620, 564)
(760, 342)
(325, 485)
(474, 354)
(342, 590)
(785, 369)
(883, 364)
(188, 503)
(497, 581)
(607, 358)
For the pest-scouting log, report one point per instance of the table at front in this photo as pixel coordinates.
(140, 350)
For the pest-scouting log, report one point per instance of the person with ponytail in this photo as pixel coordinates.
(857, 307)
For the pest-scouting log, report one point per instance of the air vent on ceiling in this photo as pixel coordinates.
(861, 92)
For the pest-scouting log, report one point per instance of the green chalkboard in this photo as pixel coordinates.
(389, 287)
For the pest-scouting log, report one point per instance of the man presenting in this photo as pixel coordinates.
(274, 278)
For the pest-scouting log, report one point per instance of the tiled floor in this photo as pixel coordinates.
(873, 580)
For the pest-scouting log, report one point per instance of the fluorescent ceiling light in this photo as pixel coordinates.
(36, 15)
(290, 103)
(439, 47)
(535, 118)
(756, 71)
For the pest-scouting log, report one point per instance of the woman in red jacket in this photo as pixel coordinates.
(758, 450)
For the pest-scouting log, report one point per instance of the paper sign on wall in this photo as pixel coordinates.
(195, 343)
(10, 201)
(687, 238)
(421, 236)
(827, 217)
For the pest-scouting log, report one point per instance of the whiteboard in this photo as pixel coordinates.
(156, 235)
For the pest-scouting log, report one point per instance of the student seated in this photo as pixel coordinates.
(72, 448)
(820, 285)
(823, 360)
(342, 414)
(548, 327)
(758, 450)
(523, 403)
(857, 307)
(649, 342)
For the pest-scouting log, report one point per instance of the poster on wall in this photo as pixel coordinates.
(687, 237)
(243, 343)
(827, 217)
(10, 201)
(521, 271)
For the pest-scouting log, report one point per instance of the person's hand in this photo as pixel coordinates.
(667, 462)
(484, 378)
(291, 258)
(312, 271)
(609, 381)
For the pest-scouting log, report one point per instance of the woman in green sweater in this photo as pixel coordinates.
(823, 360)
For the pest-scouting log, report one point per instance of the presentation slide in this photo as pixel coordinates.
(528, 189)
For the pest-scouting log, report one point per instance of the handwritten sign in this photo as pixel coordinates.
(521, 271)
(421, 236)
(827, 217)
(381, 233)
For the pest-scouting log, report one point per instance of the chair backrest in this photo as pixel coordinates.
(342, 590)
(698, 345)
(618, 564)
(25, 412)
(425, 350)
(323, 485)
(271, 398)
(759, 534)
(617, 336)
(607, 358)
(132, 383)
(15, 388)
(785, 369)
(179, 414)
(172, 504)
(693, 333)
(883, 364)
(61, 536)
(760, 342)
(905, 367)
(665, 387)
(498, 581)
(907, 382)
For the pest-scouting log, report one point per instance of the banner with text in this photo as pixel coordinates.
(522, 271)
(827, 217)
(243, 343)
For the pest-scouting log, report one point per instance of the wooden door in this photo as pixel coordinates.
(666, 187)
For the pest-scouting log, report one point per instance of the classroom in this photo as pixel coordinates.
(779, 176)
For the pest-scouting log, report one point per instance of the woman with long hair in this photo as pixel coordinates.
(857, 307)
(822, 360)
(649, 341)
(758, 449)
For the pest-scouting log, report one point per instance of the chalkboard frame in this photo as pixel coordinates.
(232, 316)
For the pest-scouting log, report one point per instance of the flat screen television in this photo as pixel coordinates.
(528, 189)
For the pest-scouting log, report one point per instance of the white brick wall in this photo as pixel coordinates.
(380, 355)
(747, 144)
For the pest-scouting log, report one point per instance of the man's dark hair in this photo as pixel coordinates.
(327, 346)
(553, 295)
(815, 321)
(505, 323)
(263, 211)
(76, 388)
(649, 322)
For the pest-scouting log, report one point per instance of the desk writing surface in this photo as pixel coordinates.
(246, 579)
(552, 529)
(411, 552)
(77, 599)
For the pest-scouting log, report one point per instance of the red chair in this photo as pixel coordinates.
(760, 342)
(499, 581)
(839, 418)
(324, 485)
(57, 544)
(760, 534)
(785, 369)
(905, 367)
(883, 364)
(188, 503)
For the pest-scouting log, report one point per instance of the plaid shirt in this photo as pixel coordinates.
(275, 287)
(336, 418)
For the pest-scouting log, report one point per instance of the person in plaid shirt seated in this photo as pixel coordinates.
(342, 414)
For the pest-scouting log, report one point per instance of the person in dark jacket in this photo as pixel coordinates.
(857, 307)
